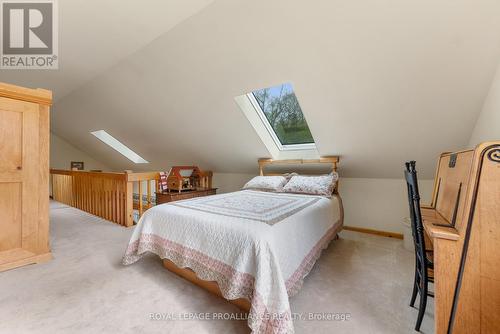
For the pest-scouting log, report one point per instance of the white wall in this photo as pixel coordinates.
(488, 124)
(62, 153)
(378, 204)
(227, 182)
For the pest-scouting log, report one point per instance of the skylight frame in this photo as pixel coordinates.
(118, 146)
(272, 133)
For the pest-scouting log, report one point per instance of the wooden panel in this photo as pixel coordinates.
(482, 255)
(19, 257)
(107, 195)
(10, 216)
(11, 139)
(24, 163)
(451, 179)
(488, 213)
(31, 176)
(490, 305)
(62, 189)
(446, 262)
(466, 258)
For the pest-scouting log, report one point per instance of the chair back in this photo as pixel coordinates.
(416, 217)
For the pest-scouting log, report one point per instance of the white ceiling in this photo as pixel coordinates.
(96, 34)
(379, 82)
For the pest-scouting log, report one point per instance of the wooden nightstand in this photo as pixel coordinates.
(171, 196)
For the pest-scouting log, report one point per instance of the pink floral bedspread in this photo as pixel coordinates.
(247, 257)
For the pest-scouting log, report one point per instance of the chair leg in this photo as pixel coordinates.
(423, 304)
(415, 290)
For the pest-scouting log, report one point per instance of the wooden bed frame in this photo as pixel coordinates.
(213, 287)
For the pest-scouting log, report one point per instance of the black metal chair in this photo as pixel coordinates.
(424, 267)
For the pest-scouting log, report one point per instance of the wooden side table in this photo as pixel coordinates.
(167, 196)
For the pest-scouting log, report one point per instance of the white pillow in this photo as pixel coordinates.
(266, 183)
(288, 176)
(314, 185)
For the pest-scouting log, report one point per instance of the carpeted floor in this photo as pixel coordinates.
(85, 289)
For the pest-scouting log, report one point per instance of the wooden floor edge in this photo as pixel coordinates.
(376, 232)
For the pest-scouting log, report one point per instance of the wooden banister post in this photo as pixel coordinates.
(149, 193)
(129, 204)
(139, 184)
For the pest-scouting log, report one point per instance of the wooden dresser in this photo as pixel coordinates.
(24, 176)
(171, 196)
(463, 223)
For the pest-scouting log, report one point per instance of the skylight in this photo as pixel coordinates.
(280, 111)
(118, 146)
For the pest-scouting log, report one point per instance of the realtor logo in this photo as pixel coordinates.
(29, 34)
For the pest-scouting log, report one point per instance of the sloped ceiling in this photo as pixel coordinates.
(96, 34)
(379, 82)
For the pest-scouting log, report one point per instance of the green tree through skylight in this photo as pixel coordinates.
(282, 110)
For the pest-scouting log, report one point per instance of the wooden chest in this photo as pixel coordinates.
(165, 197)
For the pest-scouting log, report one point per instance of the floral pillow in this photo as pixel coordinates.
(266, 183)
(313, 185)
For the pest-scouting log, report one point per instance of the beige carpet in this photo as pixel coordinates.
(85, 289)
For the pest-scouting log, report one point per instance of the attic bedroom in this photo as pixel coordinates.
(228, 166)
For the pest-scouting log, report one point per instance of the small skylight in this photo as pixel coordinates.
(280, 112)
(118, 146)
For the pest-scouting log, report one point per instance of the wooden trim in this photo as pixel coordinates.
(444, 154)
(39, 96)
(376, 232)
(19, 258)
(440, 232)
(334, 160)
(129, 204)
(43, 199)
(107, 175)
(131, 177)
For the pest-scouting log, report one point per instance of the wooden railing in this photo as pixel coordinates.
(107, 195)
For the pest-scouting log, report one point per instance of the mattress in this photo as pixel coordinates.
(255, 245)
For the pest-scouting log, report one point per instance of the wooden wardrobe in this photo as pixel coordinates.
(24, 176)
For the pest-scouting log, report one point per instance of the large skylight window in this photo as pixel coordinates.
(118, 146)
(280, 112)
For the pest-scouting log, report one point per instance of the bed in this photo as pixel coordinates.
(253, 248)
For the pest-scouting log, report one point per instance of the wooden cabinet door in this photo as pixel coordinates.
(19, 177)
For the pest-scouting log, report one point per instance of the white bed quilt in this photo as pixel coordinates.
(255, 245)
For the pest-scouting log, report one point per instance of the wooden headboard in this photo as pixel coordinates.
(332, 160)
